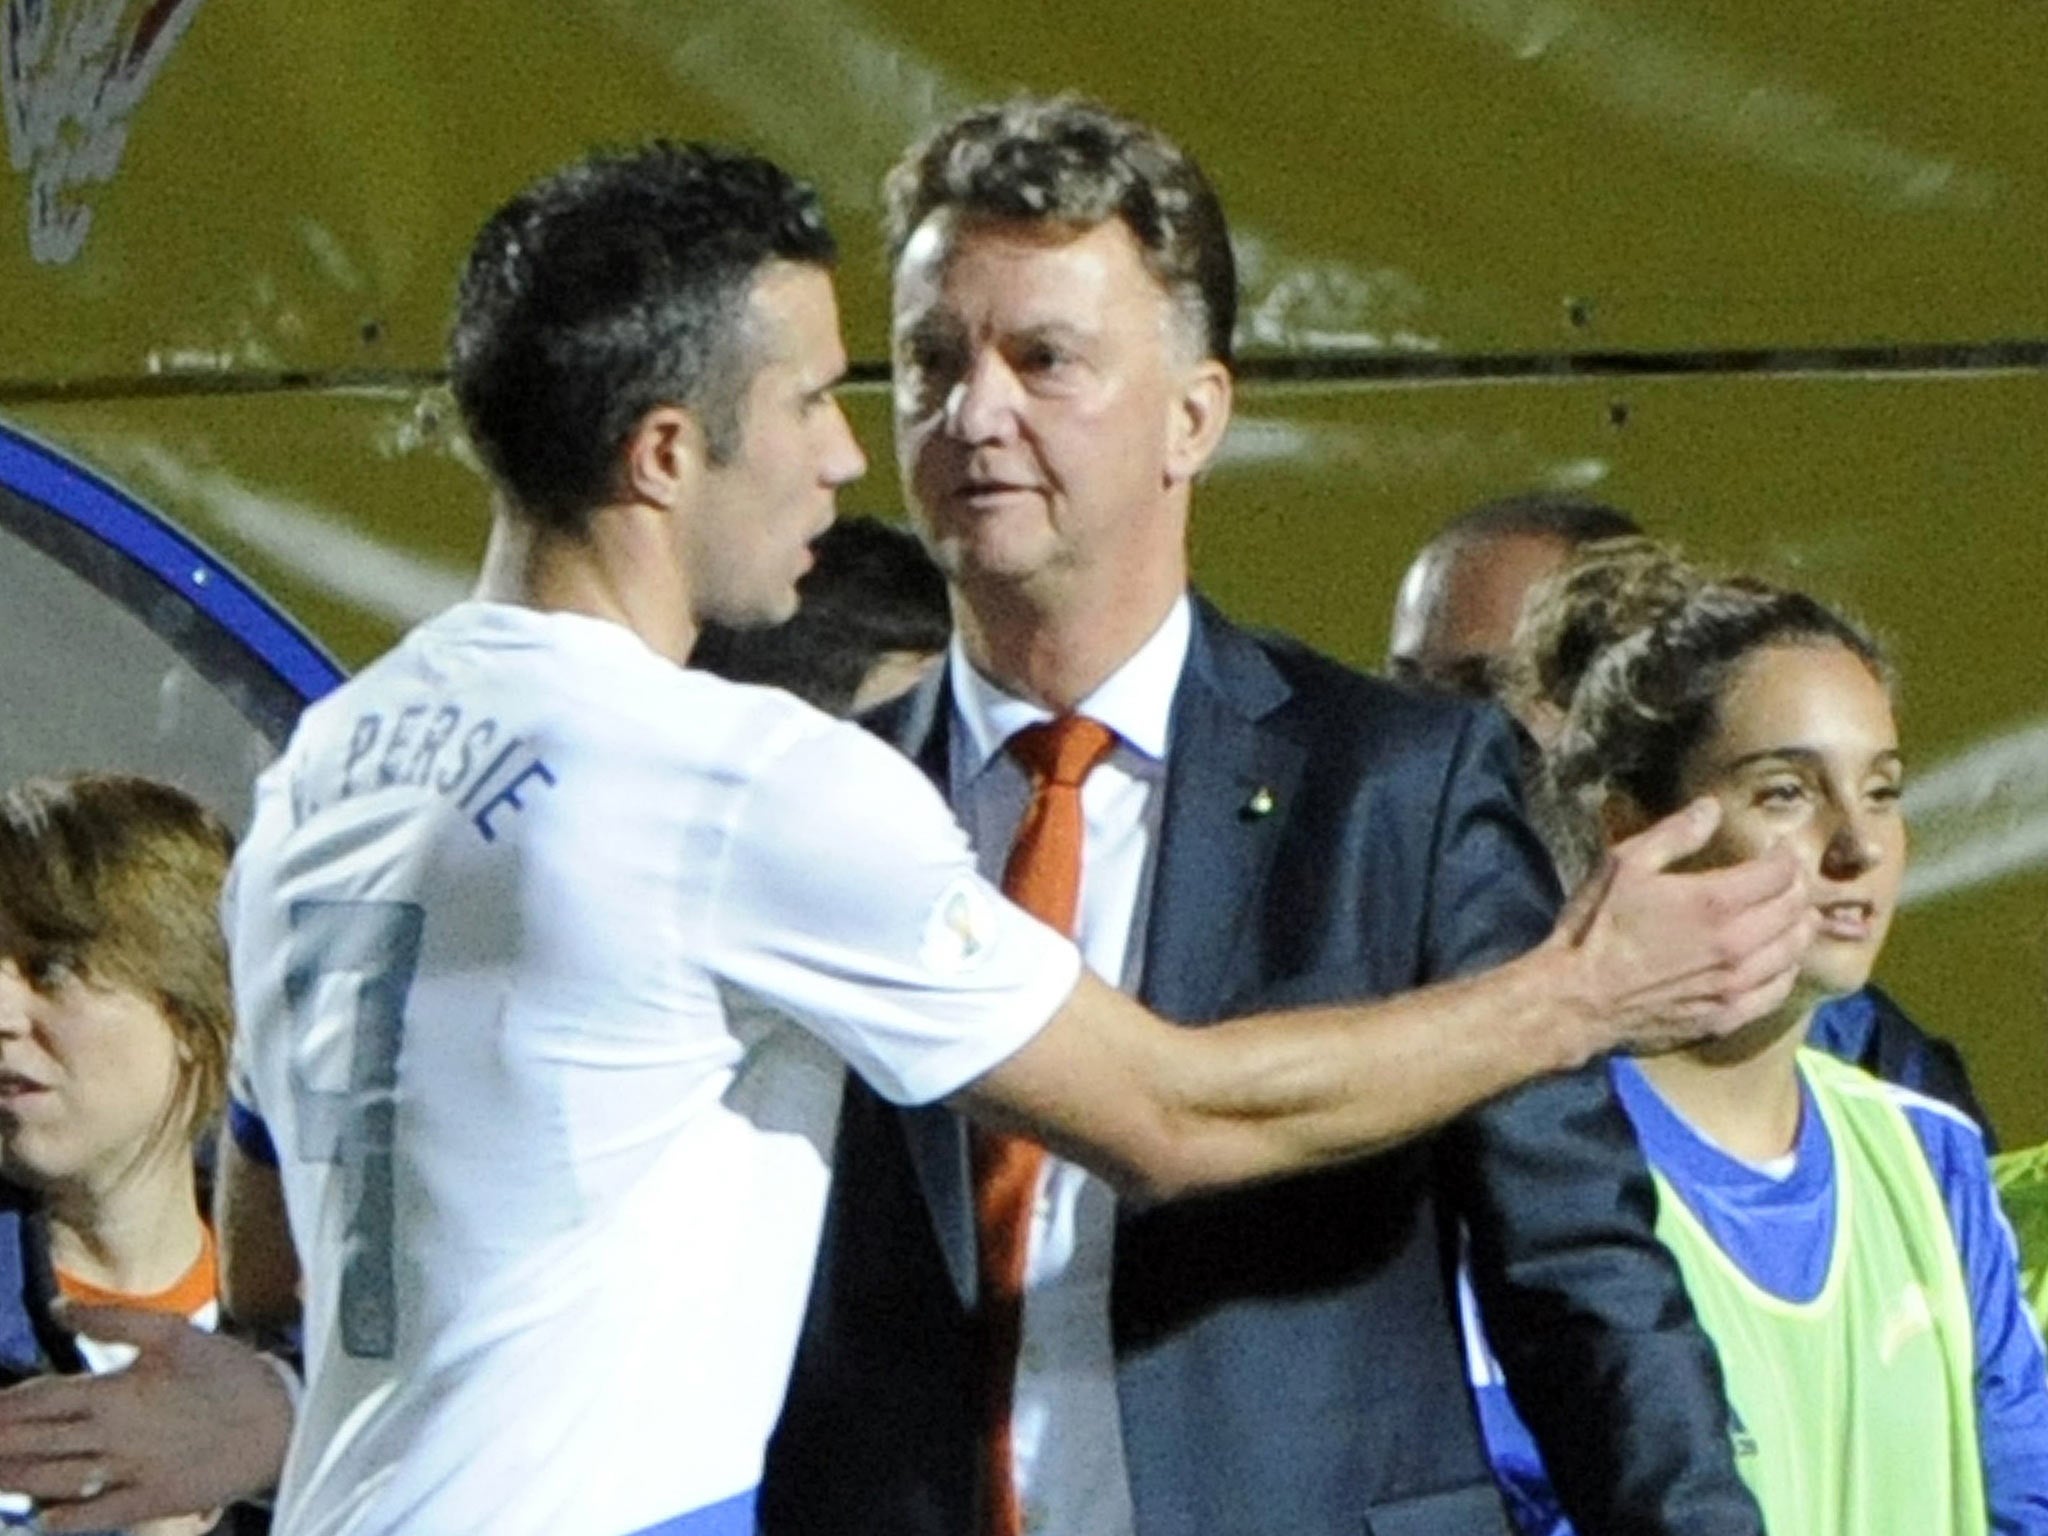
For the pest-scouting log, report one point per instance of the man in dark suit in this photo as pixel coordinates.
(1269, 828)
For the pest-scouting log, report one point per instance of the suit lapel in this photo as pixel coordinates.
(1231, 778)
(919, 726)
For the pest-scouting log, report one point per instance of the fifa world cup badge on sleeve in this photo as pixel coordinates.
(961, 929)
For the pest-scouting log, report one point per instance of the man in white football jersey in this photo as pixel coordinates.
(547, 950)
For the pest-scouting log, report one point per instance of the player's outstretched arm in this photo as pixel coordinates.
(198, 1421)
(1645, 958)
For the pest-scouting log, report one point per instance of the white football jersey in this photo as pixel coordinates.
(547, 952)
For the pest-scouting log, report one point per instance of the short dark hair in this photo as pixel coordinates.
(615, 285)
(118, 879)
(1654, 693)
(873, 592)
(1068, 160)
(1570, 520)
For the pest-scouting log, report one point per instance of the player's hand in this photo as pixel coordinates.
(196, 1422)
(1665, 958)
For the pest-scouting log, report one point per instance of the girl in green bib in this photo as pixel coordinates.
(1839, 1236)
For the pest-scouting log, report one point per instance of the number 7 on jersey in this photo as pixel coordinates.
(351, 967)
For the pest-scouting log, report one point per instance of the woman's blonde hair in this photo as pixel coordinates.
(119, 880)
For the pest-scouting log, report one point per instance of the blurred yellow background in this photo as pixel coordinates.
(1769, 276)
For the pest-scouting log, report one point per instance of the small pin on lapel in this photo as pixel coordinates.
(1260, 804)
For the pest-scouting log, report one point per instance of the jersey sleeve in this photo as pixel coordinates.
(2012, 1377)
(849, 897)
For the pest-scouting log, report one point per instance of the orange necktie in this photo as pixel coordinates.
(1043, 877)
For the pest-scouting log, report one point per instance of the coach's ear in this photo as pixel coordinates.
(1201, 414)
(663, 457)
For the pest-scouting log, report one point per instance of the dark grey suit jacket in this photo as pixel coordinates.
(1289, 1359)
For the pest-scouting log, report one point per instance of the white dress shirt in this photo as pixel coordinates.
(1066, 1435)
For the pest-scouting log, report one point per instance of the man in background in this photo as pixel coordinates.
(871, 617)
(1454, 620)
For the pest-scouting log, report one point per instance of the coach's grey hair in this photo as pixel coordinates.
(1067, 160)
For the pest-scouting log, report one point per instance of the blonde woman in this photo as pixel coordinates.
(114, 1031)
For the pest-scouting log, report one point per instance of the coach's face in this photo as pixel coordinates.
(774, 493)
(1050, 414)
